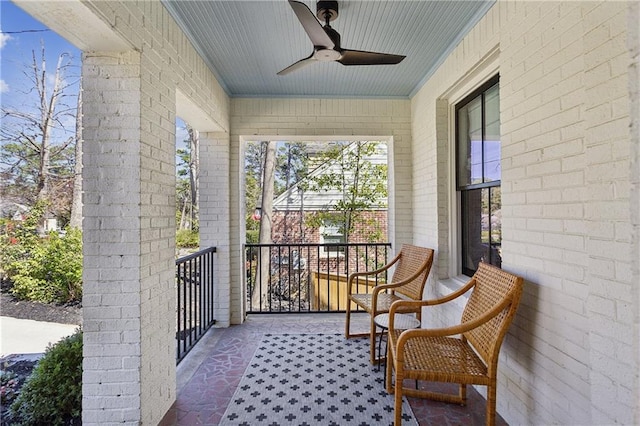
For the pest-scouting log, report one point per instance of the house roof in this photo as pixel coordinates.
(296, 199)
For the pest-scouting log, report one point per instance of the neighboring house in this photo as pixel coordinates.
(15, 211)
(18, 213)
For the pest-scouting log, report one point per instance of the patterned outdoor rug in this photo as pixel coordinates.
(312, 379)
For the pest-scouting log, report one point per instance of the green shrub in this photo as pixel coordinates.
(19, 239)
(253, 236)
(53, 270)
(187, 238)
(47, 269)
(53, 393)
(8, 384)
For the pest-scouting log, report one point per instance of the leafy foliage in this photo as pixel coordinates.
(254, 158)
(187, 238)
(362, 183)
(53, 393)
(291, 167)
(19, 239)
(47, 269)
(8, 385)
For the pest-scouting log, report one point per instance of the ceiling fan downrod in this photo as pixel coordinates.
(327, 10)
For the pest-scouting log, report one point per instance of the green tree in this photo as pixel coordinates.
(37, 155)
(187, 181)
(291, 165)
(254, 165)
(361, 183)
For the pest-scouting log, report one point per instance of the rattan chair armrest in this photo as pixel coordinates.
(354, 275)
(455, 294)
(407, 280)
(421, 303)
(449, 331)
(383, 287)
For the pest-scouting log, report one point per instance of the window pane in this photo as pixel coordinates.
(485, 220)
(469, 120)
(492, 168)
(496, 225)
(481, 228)
(471, 229)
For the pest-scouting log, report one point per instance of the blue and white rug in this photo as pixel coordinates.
(312, 379)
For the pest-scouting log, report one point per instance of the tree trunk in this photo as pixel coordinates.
(47, 110)
(261, 293)
(183, 216)
(194, 173)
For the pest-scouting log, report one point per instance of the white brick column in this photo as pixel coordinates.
(633, 42)
(215, 222)
(609, 305)
(129, 234)
(111, 300)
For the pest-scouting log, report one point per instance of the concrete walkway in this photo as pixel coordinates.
(23, 336)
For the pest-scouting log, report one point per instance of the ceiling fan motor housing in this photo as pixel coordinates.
(327, 8)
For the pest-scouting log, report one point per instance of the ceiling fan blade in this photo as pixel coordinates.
(314, 29)
(359, 57)
(297, 65)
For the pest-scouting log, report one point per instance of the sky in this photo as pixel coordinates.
(20, 36)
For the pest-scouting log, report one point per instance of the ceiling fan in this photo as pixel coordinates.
(326, 40)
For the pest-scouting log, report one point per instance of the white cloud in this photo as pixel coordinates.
(4, 87)
(4, 38)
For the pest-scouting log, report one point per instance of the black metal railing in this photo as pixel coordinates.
(194, 282)
(307, 278)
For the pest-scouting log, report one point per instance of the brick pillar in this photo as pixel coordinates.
(633, 42)
(129, 242)
(609, 304)
(215, 222)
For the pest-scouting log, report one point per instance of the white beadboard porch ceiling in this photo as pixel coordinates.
(245, 43)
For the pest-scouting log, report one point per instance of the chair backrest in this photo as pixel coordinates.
(492, 287)
(413, 259)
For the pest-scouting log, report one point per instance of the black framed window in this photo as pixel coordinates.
(478, 177)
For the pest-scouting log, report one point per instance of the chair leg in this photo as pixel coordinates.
(380, 351)
(372, 341)
(491, 405)
(462, 393)
(347, 325)
(397, 407)
(389, 370)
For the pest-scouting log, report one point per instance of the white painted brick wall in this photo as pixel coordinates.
(633, 41)
(608, 162)
(566, 203)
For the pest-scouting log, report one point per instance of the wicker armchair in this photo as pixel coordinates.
(466, 353)
(412, 266)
